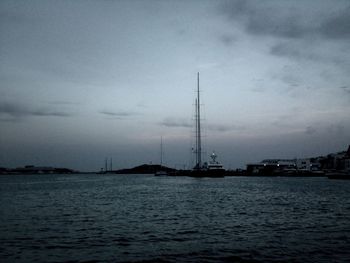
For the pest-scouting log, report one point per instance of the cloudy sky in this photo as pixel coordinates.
(85, 80)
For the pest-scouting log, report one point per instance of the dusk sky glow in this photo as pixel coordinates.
(85, 80)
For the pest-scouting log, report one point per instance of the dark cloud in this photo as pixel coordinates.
(119, 114)
(261, 18)
(299, 51)
(14, 111)
(61, 102)
(175, 122)
(265, 24)
(291, 19)
(47, 112)
(304, 50)
(338, 26)
(172, 122)
(225, 128)
(345, 88)
(318, 31)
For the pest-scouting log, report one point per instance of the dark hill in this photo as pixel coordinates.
(145, 169)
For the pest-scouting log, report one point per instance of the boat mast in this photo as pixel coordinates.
(161, 151)
(198, 129)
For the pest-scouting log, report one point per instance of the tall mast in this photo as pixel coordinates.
(196, 132)
(161, 151)
(199, 146)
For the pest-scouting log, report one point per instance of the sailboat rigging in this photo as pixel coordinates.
(161, 172)
(211, 169)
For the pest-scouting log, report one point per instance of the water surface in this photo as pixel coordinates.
(134, 218)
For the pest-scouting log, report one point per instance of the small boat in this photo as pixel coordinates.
(161, 173)
(211, 169)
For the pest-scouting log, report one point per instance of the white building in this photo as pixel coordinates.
(303, 164)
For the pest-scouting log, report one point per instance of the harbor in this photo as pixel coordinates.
(175, 131)
(142, 217)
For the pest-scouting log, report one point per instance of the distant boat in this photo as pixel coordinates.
(211, 169)
(161, 172)
(214, 165)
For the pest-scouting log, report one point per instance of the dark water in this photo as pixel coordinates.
(142, 218)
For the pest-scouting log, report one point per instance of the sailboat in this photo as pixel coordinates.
(211, 169)
(161, 172)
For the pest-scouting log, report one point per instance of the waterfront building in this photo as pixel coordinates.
(303, 164)
(315, 164)
(336, 161)
(312, 166)
(271, 166)
(346, 160)
(31, 169)
(279, 166)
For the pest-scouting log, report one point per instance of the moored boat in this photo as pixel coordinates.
(161, 172)
(211, 169)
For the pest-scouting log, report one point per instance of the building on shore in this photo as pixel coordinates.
(31, 169)
(347, 160)
(336, 161)
(303, 166)
(270, 166)
(284, 167)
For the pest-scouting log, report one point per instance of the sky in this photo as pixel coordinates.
(81, 81)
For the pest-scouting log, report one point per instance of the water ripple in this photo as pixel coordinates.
(141, 218)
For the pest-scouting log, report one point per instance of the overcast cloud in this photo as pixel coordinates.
(85, 80)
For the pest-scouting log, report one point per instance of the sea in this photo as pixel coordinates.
(144, 218)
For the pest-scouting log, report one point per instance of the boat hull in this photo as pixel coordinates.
(342, 176)
(208, 173)
(201, 173)
(161, 173)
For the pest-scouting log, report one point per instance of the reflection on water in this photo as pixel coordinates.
(117, 218)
